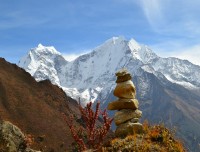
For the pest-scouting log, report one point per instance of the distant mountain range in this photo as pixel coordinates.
(168, 89)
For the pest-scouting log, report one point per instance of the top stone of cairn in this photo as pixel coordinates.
(123, 75)
(125, 88)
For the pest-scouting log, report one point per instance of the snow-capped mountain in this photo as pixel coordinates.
(92, 76)
(168, 88)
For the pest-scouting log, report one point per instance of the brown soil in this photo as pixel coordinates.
(36, 108)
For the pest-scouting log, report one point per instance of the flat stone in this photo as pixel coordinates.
(123, 104)
(123, 78)
(122, 72)
(128, 128)
(125, 90)
(125, 115)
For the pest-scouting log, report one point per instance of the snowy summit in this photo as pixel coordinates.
(92, 76)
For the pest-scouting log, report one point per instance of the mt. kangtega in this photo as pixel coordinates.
(168, 89)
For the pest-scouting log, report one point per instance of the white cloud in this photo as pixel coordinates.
(70, 57)
(179, 50)
(73, 56)
(153, 11)
(172, 17)
(192, 54)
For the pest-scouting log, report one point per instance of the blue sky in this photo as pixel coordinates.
(169, 27)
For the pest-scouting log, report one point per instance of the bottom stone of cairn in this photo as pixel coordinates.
(128, 128)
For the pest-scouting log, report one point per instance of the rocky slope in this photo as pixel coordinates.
(35, 108)
(168, 88)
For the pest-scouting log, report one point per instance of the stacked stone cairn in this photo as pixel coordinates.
(127, 116)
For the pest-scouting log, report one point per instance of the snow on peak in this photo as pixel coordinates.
(141, 52)
(134, 45)
(40, 45)
(40, 62)
(114, 40)
(45, 50)
(91, 76)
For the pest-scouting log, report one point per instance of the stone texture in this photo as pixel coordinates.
(128, 128)
(122, 72)
(123, 75)
(123, 78)
(127, 118)
(125, 115)
(134, 120)
(125, 90)
(123, 104)
(12, 139)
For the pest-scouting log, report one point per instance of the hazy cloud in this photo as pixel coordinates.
(178, 49)
(73, 56)
(172, 17)
(153, 11)
(192, 54)
(70, 57)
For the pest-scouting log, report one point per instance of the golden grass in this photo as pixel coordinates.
(155, 138)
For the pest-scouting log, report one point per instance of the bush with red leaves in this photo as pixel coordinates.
(92, 136)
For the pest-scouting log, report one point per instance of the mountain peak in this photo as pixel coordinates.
(141, 52)
(115, 40)
(40, 45)
(134, 44)
(37, 57)
(45, 50)
(91, 77)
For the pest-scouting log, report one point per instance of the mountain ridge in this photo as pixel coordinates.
(120, 53)
(167, 88)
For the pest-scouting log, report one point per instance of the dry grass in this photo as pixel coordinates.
(154, 139)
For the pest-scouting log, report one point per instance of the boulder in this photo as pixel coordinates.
(128, 128)
(123, 104)
(125, 115)
(125, 90)
(12, 139)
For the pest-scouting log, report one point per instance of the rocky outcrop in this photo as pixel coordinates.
(12, 139)
(127, 116)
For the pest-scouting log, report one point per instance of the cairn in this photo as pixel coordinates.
(127, 116)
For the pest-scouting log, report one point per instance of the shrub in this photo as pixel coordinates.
(92, 136)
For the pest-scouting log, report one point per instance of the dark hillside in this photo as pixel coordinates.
(35, 107)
